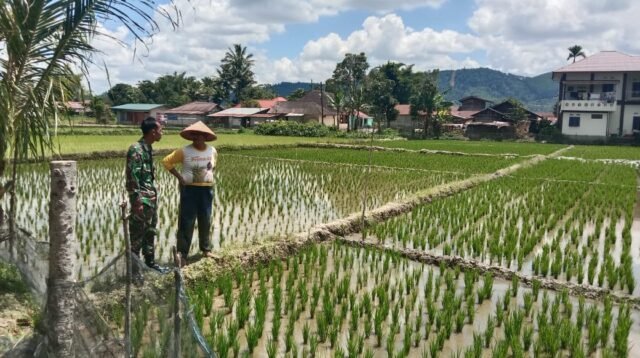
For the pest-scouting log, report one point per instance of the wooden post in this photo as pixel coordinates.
(176, 304)
(60, 295)
(127, 312)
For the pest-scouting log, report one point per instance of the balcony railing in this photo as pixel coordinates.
(595, 105)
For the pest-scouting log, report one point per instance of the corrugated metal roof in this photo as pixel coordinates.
(308, 108)
(194, 108)
(230, 112)
(137, 106)
(605, 61)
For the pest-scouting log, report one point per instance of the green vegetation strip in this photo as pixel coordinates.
(574, 289)
(404, 150)
(604, 152)
(435, 162)
(467, 146)
(76, 144)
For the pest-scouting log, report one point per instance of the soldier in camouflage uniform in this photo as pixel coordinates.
(142, 193)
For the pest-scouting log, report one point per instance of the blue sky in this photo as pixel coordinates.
(302, 40)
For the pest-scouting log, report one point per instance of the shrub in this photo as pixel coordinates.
(292, 128)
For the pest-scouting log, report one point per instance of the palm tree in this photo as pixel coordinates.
(41, 42)
(235, 72)
(574, 52)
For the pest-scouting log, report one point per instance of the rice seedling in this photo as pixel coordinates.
(272, 347)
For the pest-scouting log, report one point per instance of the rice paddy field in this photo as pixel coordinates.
(483, 147)
(577, 222)
(604, 152)
(257, 195)
(335, 300)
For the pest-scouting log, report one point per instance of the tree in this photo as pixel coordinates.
(349, 77)
(177, 89)
(259, 92)
(337, 101)
(100, 110)
(517, 113)
(41, 41)
(426, 99)
(574, 52)
(380, 96)
(212, 89)
(235, 73)
(148, 90)
(297, 94)
(123, 93)
(402, 77)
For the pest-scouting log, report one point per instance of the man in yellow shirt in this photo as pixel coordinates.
(196, 178)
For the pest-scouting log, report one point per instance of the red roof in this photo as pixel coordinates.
(605, 61)
(403, 109)
(76, 106)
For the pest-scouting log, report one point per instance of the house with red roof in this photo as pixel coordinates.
(599, 96)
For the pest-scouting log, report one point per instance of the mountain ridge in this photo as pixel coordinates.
(537, 93)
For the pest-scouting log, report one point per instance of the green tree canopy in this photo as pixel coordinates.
(123, 93)
(426, 99)
(380, 96)
(235, 73)
(297, 94)
(349, 78)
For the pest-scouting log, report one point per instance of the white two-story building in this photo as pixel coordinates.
(599, 96)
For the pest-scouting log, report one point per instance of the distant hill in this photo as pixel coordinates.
(284, 89)
(538, 93)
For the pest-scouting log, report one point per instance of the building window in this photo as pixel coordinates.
(596, 116)
(636, 123)
(607, 87)
(574, 121)
(635, 89)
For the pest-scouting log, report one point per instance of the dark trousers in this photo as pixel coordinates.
(195, 203)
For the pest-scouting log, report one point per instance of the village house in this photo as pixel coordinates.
(240, 117)
(77, 107)
(190, 113)
(469, 106)
(497, 122)
(599, 96)
(135, 113)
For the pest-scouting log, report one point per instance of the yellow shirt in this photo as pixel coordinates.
(197, 165)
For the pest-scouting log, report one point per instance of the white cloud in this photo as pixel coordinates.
(385, 39)
(532, 36)
(527, 37)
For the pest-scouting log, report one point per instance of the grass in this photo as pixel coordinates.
(604, 152)
(488, 147)
(74, 144)
(435, 162)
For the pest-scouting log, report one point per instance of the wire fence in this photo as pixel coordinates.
(99, 314)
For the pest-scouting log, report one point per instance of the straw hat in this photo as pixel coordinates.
(199, 128)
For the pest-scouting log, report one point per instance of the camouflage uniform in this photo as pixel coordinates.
(140, 186)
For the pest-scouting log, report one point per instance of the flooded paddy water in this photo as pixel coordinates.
(570, 220)
(333, 299)
(254, 198)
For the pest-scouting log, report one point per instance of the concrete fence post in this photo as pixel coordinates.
(60, 304)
